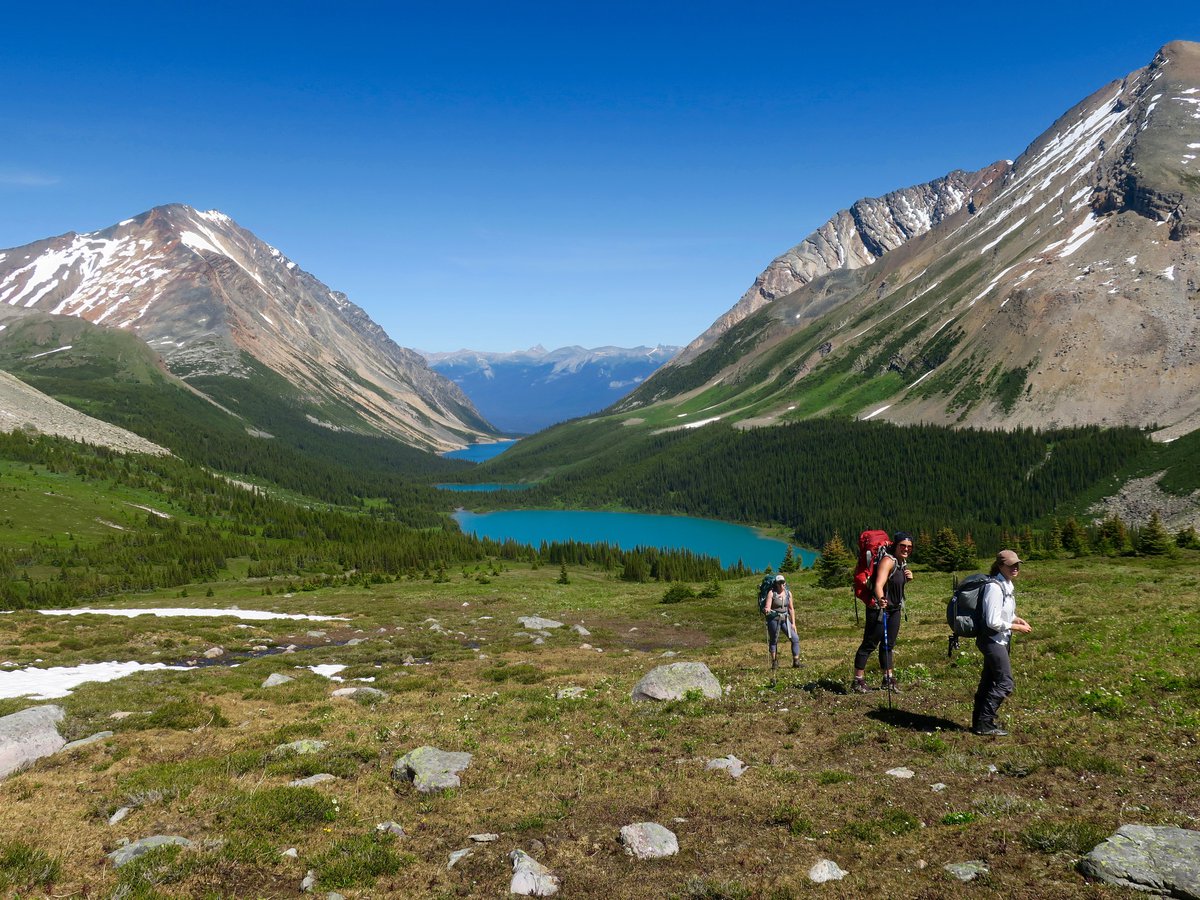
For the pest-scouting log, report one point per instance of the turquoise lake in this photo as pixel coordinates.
(724, 540)
(479, 452)
(484, 486)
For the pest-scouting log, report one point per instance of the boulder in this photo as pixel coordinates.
(901, 772)
(393, 828)
(570, 693)
(277, 678)
(649, 840)
(537, 623)
(1158, 859)
(130, 852)
(824, 870)
(730, 764)
(674, 680)
(312, 780)
(458, 855)
(361, 694)
(430, 769)
(28, 735)
(967, 871)
(530, 878)
(91, 739)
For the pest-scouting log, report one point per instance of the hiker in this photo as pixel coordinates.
(891, 575)
(999, 618)
(780, 613)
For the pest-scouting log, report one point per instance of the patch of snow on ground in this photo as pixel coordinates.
(169, 612)
(327, 670)
(1169, 273)
(149, 509)
(702, 422)
(59, 681)
(877, 412)
(1083, 232)
(1132, 260)
(1017, 224)
(50, 352)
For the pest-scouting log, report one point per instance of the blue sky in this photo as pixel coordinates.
(495, 175)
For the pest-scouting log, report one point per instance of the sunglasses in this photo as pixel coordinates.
(904, 546)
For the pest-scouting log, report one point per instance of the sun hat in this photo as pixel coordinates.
(1007, 558)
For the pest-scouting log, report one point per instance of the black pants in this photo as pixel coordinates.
(873, 637)
(995, 684)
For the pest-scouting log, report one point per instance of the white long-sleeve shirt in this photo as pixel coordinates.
(999, 609)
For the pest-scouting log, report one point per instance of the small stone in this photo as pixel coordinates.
(570, 693)
(315, 634)
(354, 642)
(457, 855)
(537, 623)
(901, 772)
(83, 742)
(581, 631)
(119, 815)
(334, 895)
(309, 882)
(214, 652)
(300, 747)
(431, 769)
(937, 788)
(967, 871)
(649, 840)
(129, 852)
(530, 878)
(120, 714)
(290, 853)
(730, 764)
(361, 694)
(393, 828)
(275, 679)
(312, 780)
(585, 647)
(826, 870)
(486, 838)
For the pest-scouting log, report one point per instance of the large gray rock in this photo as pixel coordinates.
(275, 679)
(430, 769)
(300, 748)
(530, 878)
(537, 623)
(28, 735)
(730, 764)
(674, 680)
(130, 852)
(1159, 860)
(967, 871)
(824, 870)
(649, 840)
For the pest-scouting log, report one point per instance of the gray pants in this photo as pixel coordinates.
(775, 624)
(995, 684)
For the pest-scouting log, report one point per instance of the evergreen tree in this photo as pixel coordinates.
(968, 555)
(1154, 540)
(835, 566)
(563, 578)
(1074, 538)
(1188, 539)
(1113, 536)
(789, 563)
(1054, 539)
(945, 551)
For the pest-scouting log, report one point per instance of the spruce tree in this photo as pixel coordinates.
(1187, 538)
(835, 565)
(1074, 538)
(1154, 540)
(944, 551)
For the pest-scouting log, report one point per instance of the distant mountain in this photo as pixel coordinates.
(528, 390)
(221, 306)
(1061, 289)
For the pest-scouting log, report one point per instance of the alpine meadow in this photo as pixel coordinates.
(246, 651)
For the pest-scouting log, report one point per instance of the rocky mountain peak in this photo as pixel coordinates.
(207, 295)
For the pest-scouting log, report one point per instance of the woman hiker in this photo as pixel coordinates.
(780, 612)
(998, 615)
(891, 575)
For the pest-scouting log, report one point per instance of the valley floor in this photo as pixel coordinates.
(1104, 724)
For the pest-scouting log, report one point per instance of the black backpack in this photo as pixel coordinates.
(964, 612)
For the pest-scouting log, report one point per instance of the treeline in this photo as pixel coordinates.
(280, 539)
(826, 476)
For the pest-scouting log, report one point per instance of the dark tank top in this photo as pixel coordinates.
(893, 588)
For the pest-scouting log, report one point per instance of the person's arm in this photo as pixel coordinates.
(1019, 624)
(993, 606)
(792, 610)
(885, 569)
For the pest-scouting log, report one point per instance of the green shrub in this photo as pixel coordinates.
(958, 818)
(677, 593)
(278, 809)
(793, 818)
(1076, 837)
(522, 674)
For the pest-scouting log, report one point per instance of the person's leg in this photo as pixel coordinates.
(795, 647)
(872, 634)
(994, 686)
(773, 640)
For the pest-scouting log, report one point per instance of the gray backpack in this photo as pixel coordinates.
(964, 612)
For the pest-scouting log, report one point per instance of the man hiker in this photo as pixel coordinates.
(780, 613)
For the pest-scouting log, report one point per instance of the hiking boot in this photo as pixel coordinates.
(774, 662)
(991, 731)
(889, 684)
(795, 662)
(860, 686)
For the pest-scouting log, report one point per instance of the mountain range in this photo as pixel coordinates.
(1059, 289)
(528, 390)
(217, 304)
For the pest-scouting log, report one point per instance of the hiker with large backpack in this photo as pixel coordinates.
(998, 619)
(776, 604)
(888, 576)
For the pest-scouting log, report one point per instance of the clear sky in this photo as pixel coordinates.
(497, 174)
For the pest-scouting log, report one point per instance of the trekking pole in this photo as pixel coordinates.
(887, 655)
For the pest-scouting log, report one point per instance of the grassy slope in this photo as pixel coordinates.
(1104, 724)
